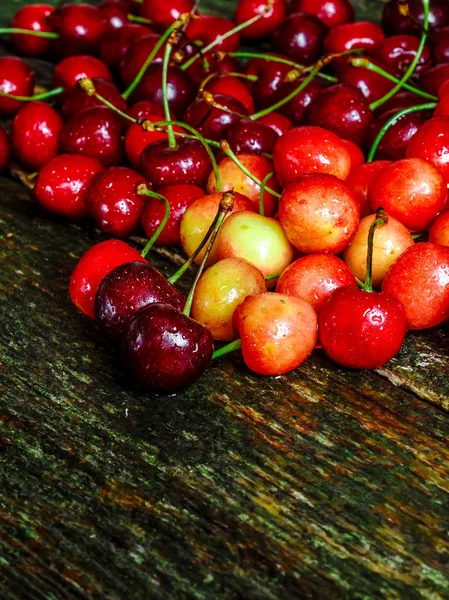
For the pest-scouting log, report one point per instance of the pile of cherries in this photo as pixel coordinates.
(300, 176)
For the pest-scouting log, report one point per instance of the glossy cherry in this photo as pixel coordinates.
(210, 120)
(115, 43)
(137, 53)
(35, 18)
(361, 34)
(432, 79)
(165, 13)
(251, 137)
(77, 100)
(5, 151)
(210, 28)
(297, 109)
(231, 86)
(271, 18)
(277, 121)
(372, 85)
(300, 37)
(431, 143)
(360, 180)
(16, 78)
(441, 45)
(270, 74)
(115, 13)
(69, 71)
(393, 22)
(331, 12)
(137, 139)
(398, 51)
(80, 27)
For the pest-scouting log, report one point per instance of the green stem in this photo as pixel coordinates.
(226, 205)
(227, 349)
(138, 78)
(42, 96)
(381, 219)
(218, 74)
(136, 19)
(43, 34)
(263, 185)
(413, 64)
(142, 190)
(271, 277)
(392, 121)
(171, 137)
(227, 150)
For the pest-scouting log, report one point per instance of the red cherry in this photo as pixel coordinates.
(297, 109)
(115, 13)
(62, 184)
(213, 123)
(136, 55)
(271, 76)
(69, 71)
(441, 45)
(357, 157)
(331, 12)
(208, 28)
(247, 9)
(393, 22)
(137, 139)
(95, 132)
(35, 135)
(300, 37)
(372, 85)
(361, 330)
(278, 122)
(419, 280)
(431, 142)
(146, 109)
(432, 79)
(251, 137)
(439, 230)
(232, 86)
(80, 27)
(165, 13)
(33, 17)
(4, 150)
(216, 63)
(93, 267)
(16, 78)
(115, 43)
(77, 100)
(361, 34)
(112, 200)
(179, 197)
(360, 180)
(398, 51)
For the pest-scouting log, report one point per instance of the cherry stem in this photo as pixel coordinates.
(226, 205)
(208, 97)
(142, 190)
(138, 78)
(271, 277)
(227, 349)
(360, 61)
(380, 220)
(43, 96)
(227, 150)
(51, 35)
(392, 121)
(413, 64)
(136, 19)
(279, 59)
(209, 78)
(171, 137)
(263, 185)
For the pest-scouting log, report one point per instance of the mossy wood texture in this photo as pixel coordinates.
(326, 483)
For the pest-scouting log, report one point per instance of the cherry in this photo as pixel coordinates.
(213, 115)
(309, 149)
(361, 34)
(16, 78)
(115, 43)
(393, 22)
(278, 332)
(412, 190)
(62, 184)
(398, 51)
(93, 267)
(356, 154)
(165, 13)
(432, 79)
(430, 143)
(372, 85)
(419, 280)
(300, 37)
(145, 109)
(80, 28)
(4, 150)
(188, 162)
(125, 290)
(209, 29)
(34, 18)
(278, 122)
(318, 213)
(297, 109)
(331, 12)
(137, 53)
(264, 27)
(77, 100)
(35, 135)
(231, 86)
(342, 109)
(213, 63)
(270, 76)
(69, 71)
(137, 138)
(251, 137)
(220, 290)
(439, 230)
(115, 12)
(360, 180)
(441, 45)
(399, 101)
(314, 277)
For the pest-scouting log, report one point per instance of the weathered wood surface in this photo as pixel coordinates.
(325, 483)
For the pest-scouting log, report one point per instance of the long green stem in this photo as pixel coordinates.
(219, 74)
(142, 190)
(43, 96)
(137, 19)
(165, 63)
(413, 64)
(381, 219)
(263, 185)
(43, 34)
(392, 121)
(231, 347)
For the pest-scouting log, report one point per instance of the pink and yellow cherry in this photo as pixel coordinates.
(318, 213)
(390, 241)
(33, 17)
(17, 79)
(412, 190)
(360, 180)
(62, 184)
(233, 178)
(314, 278)
(278, 332)
(197, 219)
(419, 279)
(309, 149)
(220, 290)
(5, 151)
(439, 230)
(93, 267)
(331, 12)
(430, 143)
(259, 240)
(264, 27)
(35, 135)
(112, 200)
(179, 197)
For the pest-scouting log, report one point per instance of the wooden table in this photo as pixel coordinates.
(326, 483)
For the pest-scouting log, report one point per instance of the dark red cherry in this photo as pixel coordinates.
(35, 18)
(16, 78)
(432, 79)
(232, 86)
(398, 51)
(179, 197)
(441, 45)
(251, 137)
(35, 135)
(298, 108)
(4, 150)
(94, 132)
(189, 162)
(62, 184)
(80, 27)
(165, 13)
(372, 85)
(115, 13)
(164, 349)
(278, 122)
(127, 289)
(77, 100)
(361, 34)
(69, 71)
(137, 139)
(180, 91)
(393, 22)
(271, 76)
(331, 12)
(344, 110)
(271, 19)
(213, 123)
(399, 101)
(300, 37)
(112, 200)
(215, 63)
(115, 43)
(209, 28)
(136, 55)
(146, 109)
